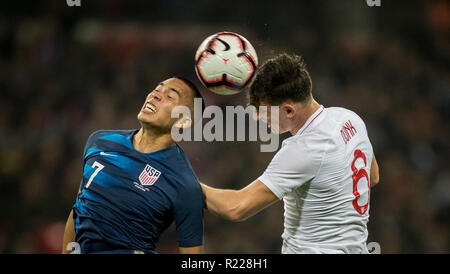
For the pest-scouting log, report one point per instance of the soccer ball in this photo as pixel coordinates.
(225, 63)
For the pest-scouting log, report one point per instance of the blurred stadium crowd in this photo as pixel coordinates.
(65, 72)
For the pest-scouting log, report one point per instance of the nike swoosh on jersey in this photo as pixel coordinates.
(107, 154)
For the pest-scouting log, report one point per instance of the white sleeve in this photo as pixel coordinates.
(294, 164)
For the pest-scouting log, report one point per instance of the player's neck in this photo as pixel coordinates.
(147, 141)
(303, 115)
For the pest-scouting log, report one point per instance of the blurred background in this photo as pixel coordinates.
(68, 71)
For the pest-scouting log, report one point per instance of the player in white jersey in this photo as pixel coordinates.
(323, 172)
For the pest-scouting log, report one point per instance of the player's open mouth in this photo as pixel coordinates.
(150, 107)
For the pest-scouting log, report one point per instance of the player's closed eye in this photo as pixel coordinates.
(172, 95)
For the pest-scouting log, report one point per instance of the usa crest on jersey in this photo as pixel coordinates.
(149, 175)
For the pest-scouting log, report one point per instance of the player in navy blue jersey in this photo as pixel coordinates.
(137, 182)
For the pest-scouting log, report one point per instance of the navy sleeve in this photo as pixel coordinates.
(88, 144)
(188, 214)
(91, 140)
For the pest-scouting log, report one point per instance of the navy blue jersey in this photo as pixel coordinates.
(129, 198)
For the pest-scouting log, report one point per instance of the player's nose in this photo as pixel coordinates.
(156, 95)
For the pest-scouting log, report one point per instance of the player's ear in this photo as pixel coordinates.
(183, 122)
(288, 109)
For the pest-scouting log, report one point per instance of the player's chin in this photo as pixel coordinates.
(154, 123)
(146, 118)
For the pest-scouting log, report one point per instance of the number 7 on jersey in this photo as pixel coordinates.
(97, 167)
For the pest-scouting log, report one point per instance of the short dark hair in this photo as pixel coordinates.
(281, 78)
(196, 91)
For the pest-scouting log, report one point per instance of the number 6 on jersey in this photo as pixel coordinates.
(98, 167)
(358, 174)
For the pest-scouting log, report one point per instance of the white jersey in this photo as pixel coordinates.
(322, 174)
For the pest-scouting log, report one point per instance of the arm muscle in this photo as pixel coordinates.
(374, 172)
(238, 205)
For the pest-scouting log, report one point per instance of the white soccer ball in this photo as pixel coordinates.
(225, 63)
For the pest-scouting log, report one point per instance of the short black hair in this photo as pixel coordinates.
(196, 91)
(281, 78)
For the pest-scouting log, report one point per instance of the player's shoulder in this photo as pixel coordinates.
(346, 116)
(183, 167)
(315, 140)
(102, 132)
(306, 148)
(98, 134)
(115, 136)
(342, 113)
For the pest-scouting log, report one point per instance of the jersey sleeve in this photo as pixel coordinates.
(88, 144)
(292, 166)
(91, 139)
(188, 214)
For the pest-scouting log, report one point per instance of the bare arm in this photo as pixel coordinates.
(192, 250)
(69, 233)
(374, 172)
(238, 205)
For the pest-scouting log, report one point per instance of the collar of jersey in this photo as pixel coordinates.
(310, 120)
(130, 137)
